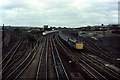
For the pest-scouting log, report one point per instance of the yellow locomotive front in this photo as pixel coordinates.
(79, 45)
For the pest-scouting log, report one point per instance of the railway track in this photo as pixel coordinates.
(12, 51)
(102, 71)
(8, 58)
(30, 61)
(98, 49)
(7, 49)
(74, 59)
(42, 69)
(58, 64)
(96, 52)
(23, 65)
(97, 74)
(101, 53)
(111, 73)
(42, 64)
(94, 47)
(30, 71)
(16, 57)
(49, 49)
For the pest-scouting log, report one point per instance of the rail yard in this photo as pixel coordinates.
(59, 54)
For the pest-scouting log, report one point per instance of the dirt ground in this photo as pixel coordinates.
(110, 44)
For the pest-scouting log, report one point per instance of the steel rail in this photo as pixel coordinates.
(104, 53)
(21, 54)
(101, 64)
(100, 67)
(54, 60)
(95, 51)
(10, 51)
(103, 70)
(104, 65)
(40, 59)
(73, 58)
(11, 56)
(98, 49)
(61, 61)
(22, 62)
(29, 61)
(46, 57)
(92, 68)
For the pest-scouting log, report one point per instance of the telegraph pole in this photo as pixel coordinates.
(3, 36)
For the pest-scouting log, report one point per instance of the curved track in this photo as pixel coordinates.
(90, 67)
(11, 52)
(108, 56)
(21, 67)
(50, 58)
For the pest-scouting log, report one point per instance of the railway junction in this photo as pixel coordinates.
(50, 57)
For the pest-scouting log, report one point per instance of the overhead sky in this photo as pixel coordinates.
(69, 13)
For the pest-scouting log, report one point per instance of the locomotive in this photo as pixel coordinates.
(72, 42)
(75, 43)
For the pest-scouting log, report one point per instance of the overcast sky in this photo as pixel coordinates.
(69, 13)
